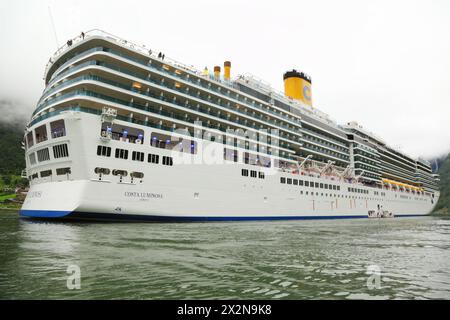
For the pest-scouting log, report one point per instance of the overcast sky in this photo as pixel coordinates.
(385, 64)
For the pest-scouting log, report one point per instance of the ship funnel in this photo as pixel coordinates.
(297, 85)
(205, 71)
(217, 72)
(227, 70)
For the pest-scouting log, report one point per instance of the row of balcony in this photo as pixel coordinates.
(77, 107)
(161, 70)
(175, 88)
(197, 107)
(153, 110)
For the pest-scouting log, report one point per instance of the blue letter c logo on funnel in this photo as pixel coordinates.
(307, 93)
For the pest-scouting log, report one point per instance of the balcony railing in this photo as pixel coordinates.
(158, 97)
(151, 110)
(161, 69)
(143, 123)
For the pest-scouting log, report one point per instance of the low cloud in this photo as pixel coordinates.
(14, 113)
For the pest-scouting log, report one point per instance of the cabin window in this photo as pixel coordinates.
(63, 171)
(167, 161)
(121, 153)
(43, 155)
(30, 139)
(253, 174)
(230, 155)
(256, 160)
(46, 173)
(326, 186)
(295, 182)
(60, 151)
(261, 175)
(163, 141)
(153, 158)
(32, 157)
(244, 172)
(137, 156)
(103, 151)
(282, 180)
(123, 133)
(289, 181)
(321, 186)
(183, 145)
(41, 133)
(316, 184)
(300, 182)
(57, 128)
(250, 158)
(306, 183)
(264, 161)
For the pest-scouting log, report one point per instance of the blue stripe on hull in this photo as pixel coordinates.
(44, 213)
(130, 217)
(157, 218)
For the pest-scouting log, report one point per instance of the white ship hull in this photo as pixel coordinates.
(189, 192)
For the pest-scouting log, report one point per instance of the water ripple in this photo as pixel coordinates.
(269, 260)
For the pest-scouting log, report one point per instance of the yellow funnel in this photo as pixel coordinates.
(297, 85)
(227, 70)
(217, 72)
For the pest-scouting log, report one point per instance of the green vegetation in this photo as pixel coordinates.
(9, 182)
(12, 160)
(11, 163)
(10, 206)
(6, 197)
(443, 206)
(12, 156)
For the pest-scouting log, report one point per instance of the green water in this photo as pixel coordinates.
(252, 260)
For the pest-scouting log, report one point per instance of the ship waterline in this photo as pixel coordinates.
(121, 133)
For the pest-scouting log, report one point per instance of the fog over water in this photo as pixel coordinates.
(384, 64)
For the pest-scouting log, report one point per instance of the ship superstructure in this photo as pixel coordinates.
(123, 132)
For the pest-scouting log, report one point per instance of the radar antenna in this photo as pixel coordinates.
(53, 26)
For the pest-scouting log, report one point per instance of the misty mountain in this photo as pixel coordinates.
(12, 124)
(14, 113)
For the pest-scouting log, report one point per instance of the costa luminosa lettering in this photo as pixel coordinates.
(146, 195)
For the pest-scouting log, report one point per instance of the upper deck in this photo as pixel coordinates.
(61, 59)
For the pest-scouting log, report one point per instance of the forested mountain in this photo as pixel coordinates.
(12, 125)
(443, 205)
(11, 154)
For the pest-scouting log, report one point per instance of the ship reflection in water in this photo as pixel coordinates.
(400, 258)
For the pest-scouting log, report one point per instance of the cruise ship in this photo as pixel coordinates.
(122, 132)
